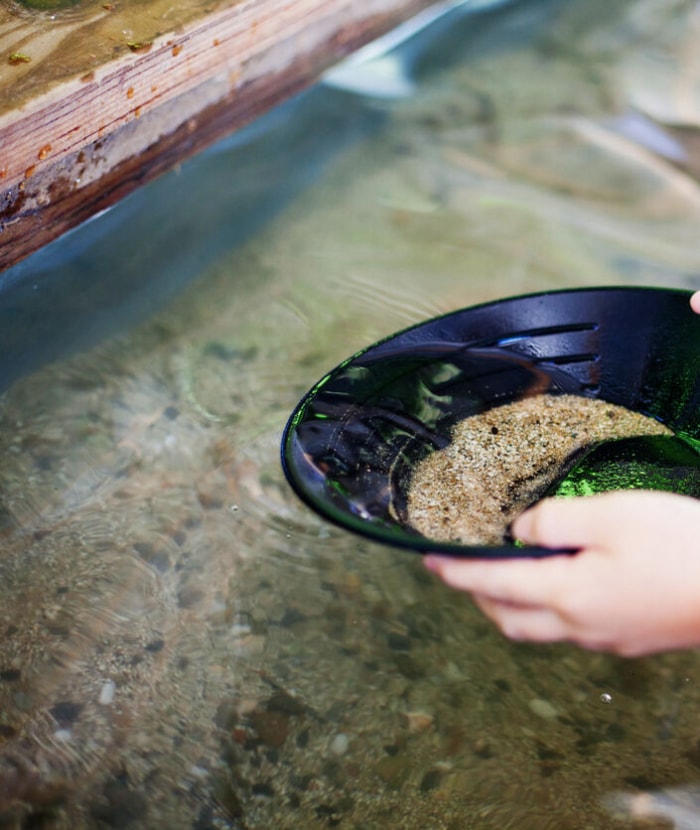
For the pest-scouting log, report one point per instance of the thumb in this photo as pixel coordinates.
(568, 522)
(603, 520)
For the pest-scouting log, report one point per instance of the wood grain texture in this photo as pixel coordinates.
(75, 141)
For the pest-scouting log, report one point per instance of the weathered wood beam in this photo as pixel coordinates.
(75, 140)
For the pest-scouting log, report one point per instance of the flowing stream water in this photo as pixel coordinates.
(183, 643)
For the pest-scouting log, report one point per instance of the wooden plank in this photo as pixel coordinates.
(112, 115)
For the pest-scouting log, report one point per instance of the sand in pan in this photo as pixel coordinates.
(502, 460)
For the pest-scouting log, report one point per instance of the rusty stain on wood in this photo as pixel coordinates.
(104, 105)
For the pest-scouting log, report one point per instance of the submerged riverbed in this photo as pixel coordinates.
(184, 644)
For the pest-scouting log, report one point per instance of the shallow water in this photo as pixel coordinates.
(184, 644)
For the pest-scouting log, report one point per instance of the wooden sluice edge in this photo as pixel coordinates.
(87, 142)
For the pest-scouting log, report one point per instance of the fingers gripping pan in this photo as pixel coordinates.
(350, 446)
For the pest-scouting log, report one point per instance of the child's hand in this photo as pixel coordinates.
(633, 588)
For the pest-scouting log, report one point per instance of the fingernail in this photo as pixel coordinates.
(522, 526)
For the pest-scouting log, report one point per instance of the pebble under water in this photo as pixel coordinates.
(184, 644)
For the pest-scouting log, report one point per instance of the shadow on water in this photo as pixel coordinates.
(125, 264)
